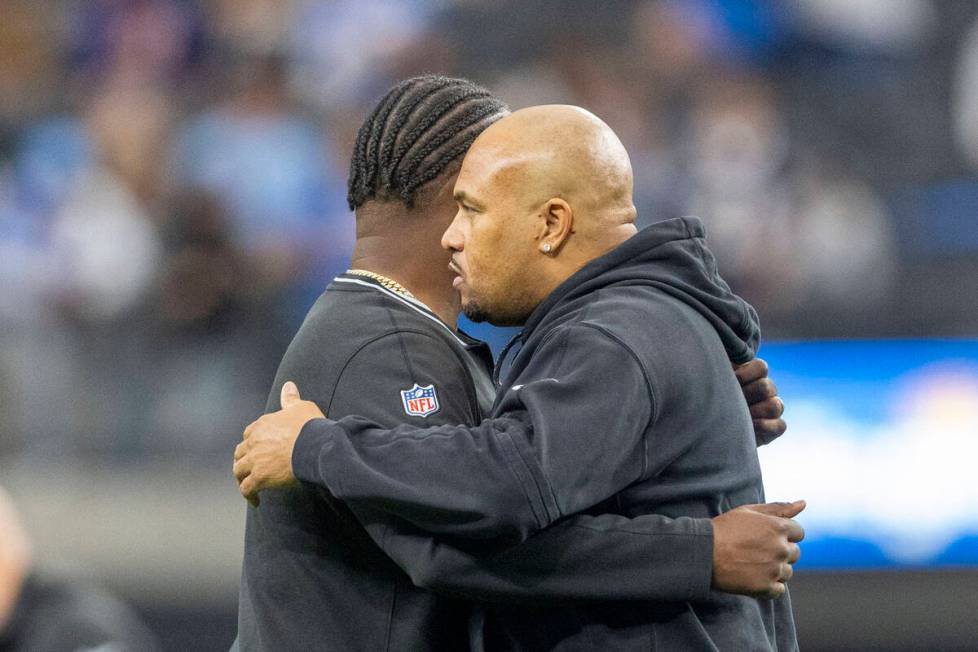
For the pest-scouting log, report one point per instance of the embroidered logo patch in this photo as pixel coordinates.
(420, 401)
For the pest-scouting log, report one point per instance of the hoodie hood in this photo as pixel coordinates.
(671, 256)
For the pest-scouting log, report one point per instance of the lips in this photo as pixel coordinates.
(459, 278)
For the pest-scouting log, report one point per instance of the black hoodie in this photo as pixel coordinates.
(620, 399)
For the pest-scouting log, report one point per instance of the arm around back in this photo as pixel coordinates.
(569, 435)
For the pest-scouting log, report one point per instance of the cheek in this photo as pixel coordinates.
(489, 253)
(516, 276)
(480, 271)
(502, 278)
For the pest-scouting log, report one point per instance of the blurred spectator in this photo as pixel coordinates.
(47, 613)
(343, 51)
(868, 25)
(794, 240)
(268, 164)
(100, 280)
(28, 62)
(210, 332)
(965, 106)
(129, 124)
(133, 41)
(204, 281)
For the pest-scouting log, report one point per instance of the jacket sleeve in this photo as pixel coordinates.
(570, 434)
(604, 557)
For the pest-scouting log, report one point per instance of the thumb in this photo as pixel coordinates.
(784, 510)
(290, 395)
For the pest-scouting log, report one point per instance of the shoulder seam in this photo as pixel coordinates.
(400, 342)
(400, 331)
(346, 364)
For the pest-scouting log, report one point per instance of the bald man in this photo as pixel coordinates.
(619, 398)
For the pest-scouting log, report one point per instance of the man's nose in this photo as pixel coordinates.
(451, 239)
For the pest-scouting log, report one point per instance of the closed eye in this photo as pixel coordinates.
(463, 201)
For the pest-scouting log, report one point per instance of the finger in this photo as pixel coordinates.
(759, 390)
(787, 572)
(784, 510)
(795, 531)
(241, 469)
(248, 487)
(776, 590)
(770, 408)
(771, 509)
(795, 553)
(751, 371)
(794, 509)
(250, 491)
(251, 426)
(240, 451)
(770, 427)
(767, 430)
(290, 394)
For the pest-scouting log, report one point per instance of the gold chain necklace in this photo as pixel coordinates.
(388, 283)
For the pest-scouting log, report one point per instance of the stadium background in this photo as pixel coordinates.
(172, 200)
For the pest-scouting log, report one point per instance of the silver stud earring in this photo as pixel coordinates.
(546, 248)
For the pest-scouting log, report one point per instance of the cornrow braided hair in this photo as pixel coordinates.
(417, 130)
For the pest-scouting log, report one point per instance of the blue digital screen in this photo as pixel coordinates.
(882, 442)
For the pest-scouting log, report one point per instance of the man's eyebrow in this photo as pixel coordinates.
(461, 196)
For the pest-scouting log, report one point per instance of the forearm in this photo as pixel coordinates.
(604, 557)
(478, 483)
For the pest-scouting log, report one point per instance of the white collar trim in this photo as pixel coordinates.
(414, 304)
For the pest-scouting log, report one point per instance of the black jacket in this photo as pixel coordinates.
(57, 613)
(320, 574)
(621, 399)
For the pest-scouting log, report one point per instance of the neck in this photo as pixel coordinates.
(425, 276)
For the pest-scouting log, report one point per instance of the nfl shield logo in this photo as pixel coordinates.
(420, 401)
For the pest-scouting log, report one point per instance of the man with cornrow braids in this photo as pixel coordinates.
(382, 342)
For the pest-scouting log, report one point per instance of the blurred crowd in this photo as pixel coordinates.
(172, 176)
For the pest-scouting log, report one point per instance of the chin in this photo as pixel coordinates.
(474, 313)
(497, 315)
(478, 315)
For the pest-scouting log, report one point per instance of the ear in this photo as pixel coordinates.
(556, 226)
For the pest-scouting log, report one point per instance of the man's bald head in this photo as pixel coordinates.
(541, 192)
(561, 151)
